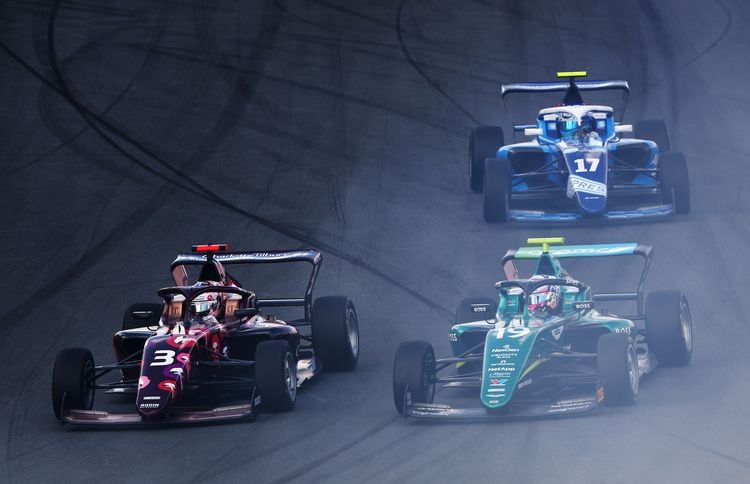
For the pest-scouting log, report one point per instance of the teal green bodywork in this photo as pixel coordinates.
(510, 356)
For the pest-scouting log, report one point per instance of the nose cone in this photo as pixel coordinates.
(164, 371)
(593, 204)
(154, 398)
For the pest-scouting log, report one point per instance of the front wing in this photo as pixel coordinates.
(98, 418)
(557, 408)
(244, 410)
(640, 213)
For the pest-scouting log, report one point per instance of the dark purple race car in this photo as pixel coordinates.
(211, 352)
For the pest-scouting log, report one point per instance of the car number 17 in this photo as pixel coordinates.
(512, 332)
(581, 165)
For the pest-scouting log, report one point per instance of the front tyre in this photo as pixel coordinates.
(669, 329)
(675, 182)
(617, 364)
(484, 142)
(496, 190)
(276, 376)
(413, 374)
(73, 380)
(335, 333)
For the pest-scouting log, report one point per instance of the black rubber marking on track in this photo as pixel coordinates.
(192, 186)
(421, 72)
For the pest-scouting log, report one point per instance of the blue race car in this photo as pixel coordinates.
(578, 166)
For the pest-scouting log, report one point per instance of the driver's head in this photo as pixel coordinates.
(545, 301)
(567, 126)
(206, 304)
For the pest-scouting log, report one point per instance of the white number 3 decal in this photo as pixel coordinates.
(163, 358)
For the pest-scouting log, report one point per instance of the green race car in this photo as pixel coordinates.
(545, 347)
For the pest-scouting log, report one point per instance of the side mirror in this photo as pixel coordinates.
(532, 131)
(583, 305)
(142, 314)
(624, 128)
(247, 312)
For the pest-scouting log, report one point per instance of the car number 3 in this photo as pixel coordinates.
(512, 332)
(163, 358)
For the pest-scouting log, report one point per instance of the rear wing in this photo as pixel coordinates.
(562, 86)
(310, 256)
(584, 251)
(537, 87)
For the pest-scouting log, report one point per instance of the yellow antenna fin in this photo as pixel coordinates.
(545, 242)
(565, 74)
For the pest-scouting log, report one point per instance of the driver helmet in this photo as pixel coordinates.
(206, 304)
(545, 301)
(567, 126)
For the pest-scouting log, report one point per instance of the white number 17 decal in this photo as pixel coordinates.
(581, 164)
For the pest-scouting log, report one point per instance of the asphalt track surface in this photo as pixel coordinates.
(133, 129)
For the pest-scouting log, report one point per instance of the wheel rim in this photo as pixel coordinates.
(87, 385)
(352, 329)
(685, 327)
(290, 376)
(429, 375)
(633, 369)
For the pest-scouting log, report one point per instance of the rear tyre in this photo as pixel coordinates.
(674, 180)
(618, 368)
(484, 142)
(669, 330)
(413, 374)
(496, 190)
(73, 379)
(141, 314)
(335, 333)
(654, 130)
(276, 376)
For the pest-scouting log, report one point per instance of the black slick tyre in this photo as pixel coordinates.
(413, 374)
(674, 180)
(276, 376)
(496, 190)
(335, 333)
(654, 130)
(484, 142)
(617, 364)
(669, 330)
(141, 314)
(73, 379)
